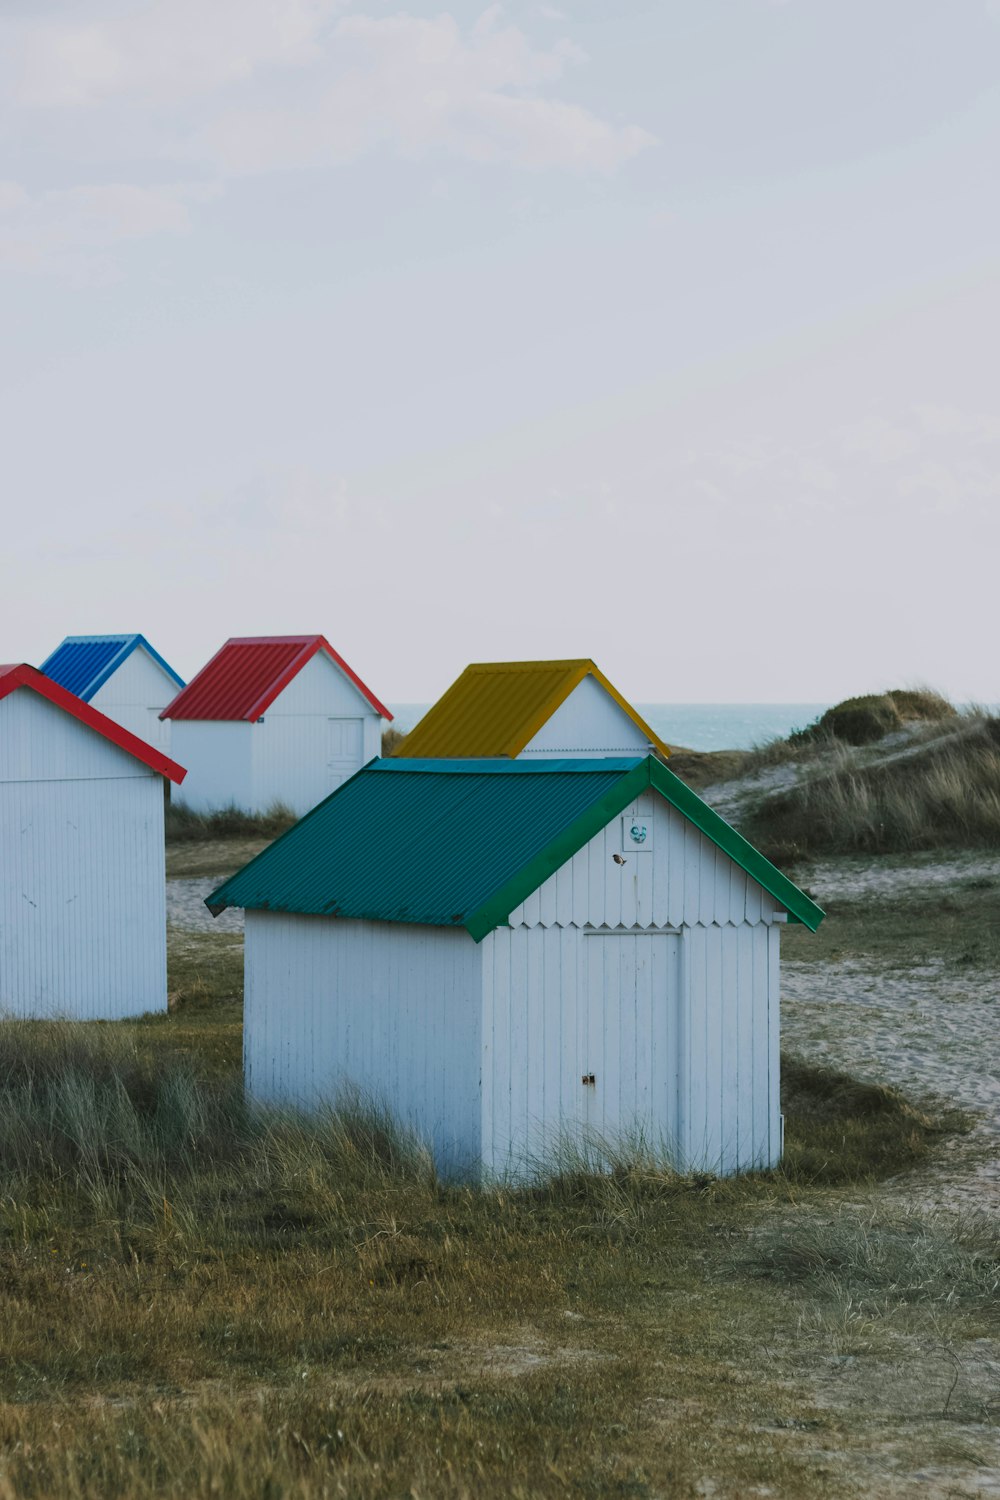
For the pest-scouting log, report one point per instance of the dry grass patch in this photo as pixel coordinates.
(942, 793)
(184, 825)
(202, 1298)
(203, 969)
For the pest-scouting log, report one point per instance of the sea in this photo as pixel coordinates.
(695, 726)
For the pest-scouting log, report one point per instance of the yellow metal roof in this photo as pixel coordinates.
(496, 708)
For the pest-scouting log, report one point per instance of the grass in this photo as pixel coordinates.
(860, 786)
(883, 1260)
(185, 826)
(391, 740)
(942, 793)
(203, 1299)
(862, 721)
(207, 1299)
(956, 925)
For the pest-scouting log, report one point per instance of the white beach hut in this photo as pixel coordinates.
(531, 708)
(82, 891)
(273, 719)
(507, 952)
(121, 676)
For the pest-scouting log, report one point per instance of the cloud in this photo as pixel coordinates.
(403, 83)
(421, 86)
(163, 52)
(71, 228)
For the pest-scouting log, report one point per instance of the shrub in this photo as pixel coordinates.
(391, 740)
(922, 703)
(860, 721)
(864, 720)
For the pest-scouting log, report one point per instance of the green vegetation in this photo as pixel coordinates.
(957, 925)
(838, 1130)
(862, 721)
(184, 825)
(391, 739)
(209, 1299)
(941, 793)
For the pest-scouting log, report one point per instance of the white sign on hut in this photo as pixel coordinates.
(510, 953)
(83, 927)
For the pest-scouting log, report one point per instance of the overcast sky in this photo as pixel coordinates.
(660, 331)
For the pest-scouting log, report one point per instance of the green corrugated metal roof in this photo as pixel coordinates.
(460, 843)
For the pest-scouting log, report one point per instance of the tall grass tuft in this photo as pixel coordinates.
(391, 740)
(889, 1259)
(943, 793)
(184, 825)
(83, 1110)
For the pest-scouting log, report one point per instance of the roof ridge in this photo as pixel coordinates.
(274, 640)
(567, 663)
(486, 765)
(110, 635)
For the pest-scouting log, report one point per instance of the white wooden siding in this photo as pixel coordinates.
(312, 738)
(321, 688)
(135, 695)
(316, 734)
(218, 757)
(729, 1064)
(40, 742)
(82, 893)
(388, 1009)
(588, 722)
(683, 880)
(560, 1005)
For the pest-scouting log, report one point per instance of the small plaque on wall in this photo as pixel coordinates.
(637, 832)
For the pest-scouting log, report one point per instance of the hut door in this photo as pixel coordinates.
(628, 1039)
(346, 744)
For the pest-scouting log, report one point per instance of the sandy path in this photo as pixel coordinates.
(930, 1029)
(186, 908)
(853, 877)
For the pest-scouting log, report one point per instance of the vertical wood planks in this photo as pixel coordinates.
(774, 1043)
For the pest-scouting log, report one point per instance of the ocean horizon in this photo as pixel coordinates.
(693, 726)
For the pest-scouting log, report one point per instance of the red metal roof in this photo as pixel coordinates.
(21, 675)
(243, 679)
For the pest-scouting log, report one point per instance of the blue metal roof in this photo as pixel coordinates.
(83, 663)
(460, 843)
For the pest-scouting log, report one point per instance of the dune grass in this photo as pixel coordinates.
(944, 793)
(203, 1298)
(184, 825)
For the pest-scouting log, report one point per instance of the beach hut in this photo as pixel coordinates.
(121, 676)
(82, 892)
(521, 708)
(512, 953)
(273, 719)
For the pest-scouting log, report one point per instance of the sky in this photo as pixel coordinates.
(664, 332)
